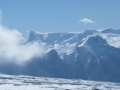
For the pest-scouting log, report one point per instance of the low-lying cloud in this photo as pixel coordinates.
(12, 48)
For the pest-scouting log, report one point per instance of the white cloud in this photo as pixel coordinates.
(12, 48)
(86, 21)
(112, 39)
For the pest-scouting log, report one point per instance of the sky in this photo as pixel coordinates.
(59, 15)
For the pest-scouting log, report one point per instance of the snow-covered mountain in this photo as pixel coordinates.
(90, 54)
(95, 59)
(63, 43)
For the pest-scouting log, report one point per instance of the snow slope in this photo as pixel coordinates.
(64, 43)
(94, 59)
(23, 82)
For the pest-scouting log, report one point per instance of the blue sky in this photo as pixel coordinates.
(59, 15)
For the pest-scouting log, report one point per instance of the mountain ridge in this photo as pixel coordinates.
(89, 55)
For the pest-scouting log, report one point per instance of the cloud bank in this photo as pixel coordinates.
(12, 48)
(86, 21)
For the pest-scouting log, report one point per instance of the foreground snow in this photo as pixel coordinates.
(12, 82)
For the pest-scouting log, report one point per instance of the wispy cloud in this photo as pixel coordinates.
(86, 21)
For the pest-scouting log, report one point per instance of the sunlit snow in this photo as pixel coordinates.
(24, 82)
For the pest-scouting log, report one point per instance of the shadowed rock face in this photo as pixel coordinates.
(50, 65)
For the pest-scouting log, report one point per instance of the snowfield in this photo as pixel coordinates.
(24, 82)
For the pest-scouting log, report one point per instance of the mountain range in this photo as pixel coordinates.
(90, 55)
